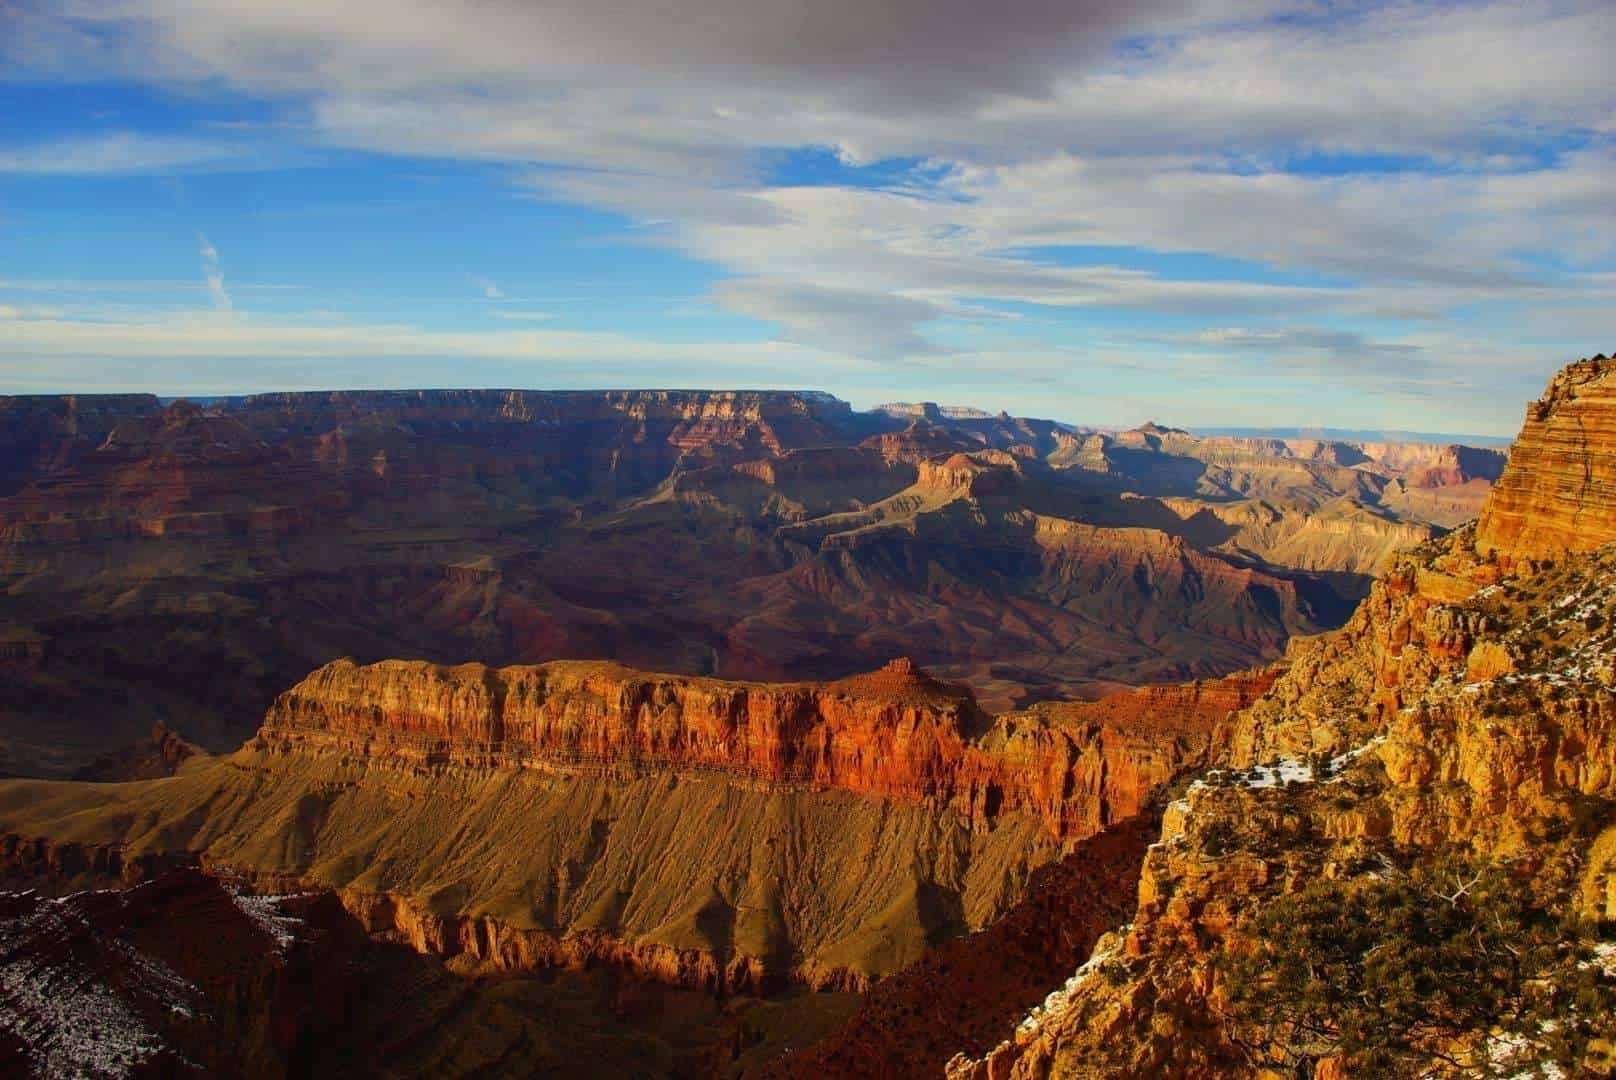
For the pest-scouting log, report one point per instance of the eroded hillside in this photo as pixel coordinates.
(705, 833)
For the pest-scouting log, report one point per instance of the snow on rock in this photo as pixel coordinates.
(1286, 771)
(59, 1000)
(1058, 999)
(269, 916)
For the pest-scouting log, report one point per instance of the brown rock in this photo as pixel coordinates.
(1558, 492)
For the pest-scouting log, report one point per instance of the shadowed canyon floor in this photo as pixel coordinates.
(186, 976)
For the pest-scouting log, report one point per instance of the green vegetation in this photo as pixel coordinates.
(1453, 967)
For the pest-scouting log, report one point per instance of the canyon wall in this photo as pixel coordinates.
(185, 562)
(703, 832)
(895, 733)
(1467, 709)
(1558, 492)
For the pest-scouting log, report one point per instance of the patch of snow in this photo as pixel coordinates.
(71, 1022)
(1280, 773)
(266, 912)
(1285, 770)
(1059, 998)
(1512, 1051)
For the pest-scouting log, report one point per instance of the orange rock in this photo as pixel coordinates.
(896, 732)
(1558, 492)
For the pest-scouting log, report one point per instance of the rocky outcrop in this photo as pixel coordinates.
(970, 475)
(922, 440)
(701, 832)
(1558, 492)
(160, 755)
(1468, 707)
(895, 733)
(1436, 744)
(64, 865)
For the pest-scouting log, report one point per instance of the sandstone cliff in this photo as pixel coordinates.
(896, 733)
(1468, 708)
(701, 832)
(1558, 493)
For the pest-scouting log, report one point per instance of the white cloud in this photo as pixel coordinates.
(857, 321)
(1217, 130)
(242, 336)
(213, 274)
(118, 153)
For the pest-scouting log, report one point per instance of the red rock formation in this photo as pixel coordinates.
(1558, 492)
(984, 473)
(920, 441)
(896, 732)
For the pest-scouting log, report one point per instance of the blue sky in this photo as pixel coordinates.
(1242, 213)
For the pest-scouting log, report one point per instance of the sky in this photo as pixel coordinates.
(1246, 212)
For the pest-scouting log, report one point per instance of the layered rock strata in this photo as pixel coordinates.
(705, 833)
(896, 733)
(185, 562)
(1469, 707)
(1558, 492)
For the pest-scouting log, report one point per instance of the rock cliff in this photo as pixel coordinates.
(702, 832)
(1466, 711)
(1558, 492)
(896, 733)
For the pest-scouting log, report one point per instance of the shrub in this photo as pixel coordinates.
(1405, 972)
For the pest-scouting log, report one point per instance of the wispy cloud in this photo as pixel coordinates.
(191, 334)
(489, 288)
(524, 316)
(118, 153)
(213, 274)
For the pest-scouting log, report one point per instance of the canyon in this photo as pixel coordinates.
(712, 834)
(183, 563)
(928, 863)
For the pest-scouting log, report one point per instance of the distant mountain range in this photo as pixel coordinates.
(1358, 435)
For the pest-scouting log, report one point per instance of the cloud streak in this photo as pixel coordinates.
(119, 153)
(213, 275)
